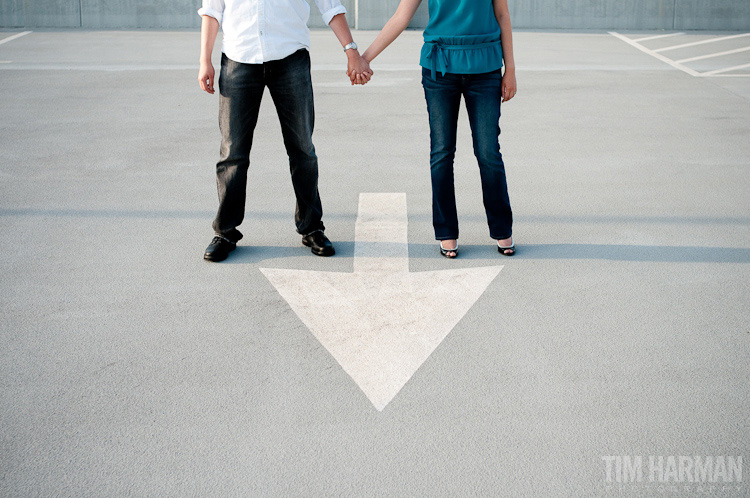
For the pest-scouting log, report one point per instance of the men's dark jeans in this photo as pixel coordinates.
(482, 93)
(241, 89)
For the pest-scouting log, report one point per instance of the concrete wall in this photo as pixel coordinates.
(542, 14)
(373, 14)
(40, 13)
(113, 14)
(139, 14)
(713, 14)
(620, 14)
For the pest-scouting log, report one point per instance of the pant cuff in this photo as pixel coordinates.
(501, 238)
(232, 235)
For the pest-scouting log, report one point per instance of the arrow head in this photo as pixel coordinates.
(381, 327)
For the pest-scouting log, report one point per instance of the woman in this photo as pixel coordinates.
(466, 42)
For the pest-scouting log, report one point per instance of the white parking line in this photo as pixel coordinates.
(639, 40)
(722, 38)
(10, 38)
(728, 69)
(653, 53)
(680, 64)
(718, 54)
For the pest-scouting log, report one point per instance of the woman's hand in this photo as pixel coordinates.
(358, 69)
(206, 76)
(509, 84)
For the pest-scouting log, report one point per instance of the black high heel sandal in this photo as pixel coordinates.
(445, 251)
(502, 249)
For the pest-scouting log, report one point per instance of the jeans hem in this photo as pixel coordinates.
(501, 238)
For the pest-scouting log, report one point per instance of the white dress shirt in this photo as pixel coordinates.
(257, 31)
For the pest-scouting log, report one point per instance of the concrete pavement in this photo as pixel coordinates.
(130, 366)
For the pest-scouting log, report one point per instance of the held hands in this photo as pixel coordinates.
(358, 69)
(509, 86)
(206, 76)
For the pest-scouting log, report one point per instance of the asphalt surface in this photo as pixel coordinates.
(129, 366)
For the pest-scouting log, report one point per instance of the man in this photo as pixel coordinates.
(266, 44)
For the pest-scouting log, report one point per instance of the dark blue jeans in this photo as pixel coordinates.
(241, 89)
(482, 95)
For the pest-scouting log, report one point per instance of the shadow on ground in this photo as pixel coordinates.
(654, 254)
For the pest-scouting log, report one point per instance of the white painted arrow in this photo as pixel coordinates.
(381, 322)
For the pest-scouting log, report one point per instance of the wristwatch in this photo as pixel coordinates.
(350, 46)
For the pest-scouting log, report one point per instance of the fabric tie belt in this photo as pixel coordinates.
(437, 51)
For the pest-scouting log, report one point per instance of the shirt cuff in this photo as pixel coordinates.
(329, 14)
(211, 13)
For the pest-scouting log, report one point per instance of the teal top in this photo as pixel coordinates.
(462, 37)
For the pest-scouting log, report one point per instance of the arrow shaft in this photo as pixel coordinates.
(380, 234)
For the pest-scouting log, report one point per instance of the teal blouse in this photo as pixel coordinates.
(462, 37)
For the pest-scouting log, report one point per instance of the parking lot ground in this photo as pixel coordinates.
(618, 332)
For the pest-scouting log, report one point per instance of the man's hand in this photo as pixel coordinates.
(358, 69)
(509, 84)
(206, 77)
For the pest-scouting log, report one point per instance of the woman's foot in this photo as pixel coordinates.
(506, 247)
(449, 248)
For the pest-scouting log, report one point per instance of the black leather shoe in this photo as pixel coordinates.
(318, 243)
(218, 249)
